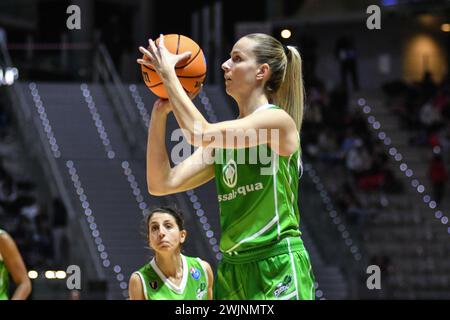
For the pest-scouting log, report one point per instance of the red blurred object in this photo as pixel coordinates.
(371, 182)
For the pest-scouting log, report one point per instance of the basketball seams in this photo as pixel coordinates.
(187, 77)
(195, 76)
(157, 84)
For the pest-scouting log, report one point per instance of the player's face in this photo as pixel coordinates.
(241, 69)
(164, 233)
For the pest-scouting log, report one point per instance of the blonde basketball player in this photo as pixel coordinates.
(263, 253)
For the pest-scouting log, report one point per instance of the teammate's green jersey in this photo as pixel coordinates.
(4, 279)
(193, 286)
(257, 192)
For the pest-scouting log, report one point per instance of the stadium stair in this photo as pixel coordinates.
(408, 230)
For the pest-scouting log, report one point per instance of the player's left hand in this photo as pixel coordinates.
(160, 58)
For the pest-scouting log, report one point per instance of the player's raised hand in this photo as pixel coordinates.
(161, 59)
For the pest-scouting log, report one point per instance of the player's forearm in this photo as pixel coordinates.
(186, 113)
(158, 165)
(22, 291)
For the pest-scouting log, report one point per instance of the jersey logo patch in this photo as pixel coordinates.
(201, 291)
(154, 284)
(229, 173)
(195, 273)
(283, 286)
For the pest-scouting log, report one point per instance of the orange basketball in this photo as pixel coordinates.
(191, 72)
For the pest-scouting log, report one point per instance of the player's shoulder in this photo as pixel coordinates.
(4, 236)
(135, 277)
(276, 113)
(205, 265)
(136, 286)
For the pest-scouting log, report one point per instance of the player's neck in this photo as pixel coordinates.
(248, 104)
(170, 264)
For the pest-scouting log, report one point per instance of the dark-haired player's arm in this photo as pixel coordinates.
(135, 289)
(210, 279)
(16, 267)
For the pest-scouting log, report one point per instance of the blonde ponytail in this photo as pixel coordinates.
(290, 95)
(285, 85)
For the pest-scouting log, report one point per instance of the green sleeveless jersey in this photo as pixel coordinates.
(193, 286)
(4, 279)
(257, 192)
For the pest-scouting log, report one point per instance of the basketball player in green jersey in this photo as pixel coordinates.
(11, 263)
(263, 254)
(170, 275)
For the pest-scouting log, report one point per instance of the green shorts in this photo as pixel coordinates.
(281, 271)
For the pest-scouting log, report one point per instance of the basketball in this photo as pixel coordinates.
(191, 72)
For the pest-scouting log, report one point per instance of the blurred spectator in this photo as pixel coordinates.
(356, 213)
(345, 52)
(328, 147)
(424, 109)
(8, 190)
(308, 46)
(59, 228)
(442, 99)
(428, 85)
(371, 182)
(317, 101)
(429, 116)
(358, 159)
(335, 135)
(438, 176)
(349, 142)
(30, 209)
(336, 111)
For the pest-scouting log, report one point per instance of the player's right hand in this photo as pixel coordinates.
(162, 105)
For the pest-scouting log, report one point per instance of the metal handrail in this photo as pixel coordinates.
(106, 70)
